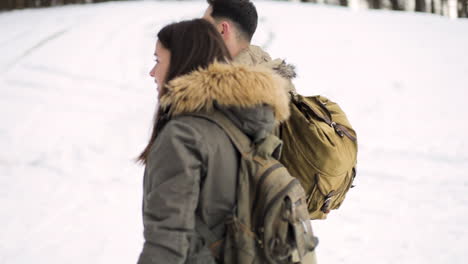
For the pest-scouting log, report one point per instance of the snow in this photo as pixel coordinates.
(76, 104)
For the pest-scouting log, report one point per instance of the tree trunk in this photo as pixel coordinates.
(420, 6)
(20, 4)
(464, 8)
(375, 4)
(395, 5)
(3, 5)
(438, 7)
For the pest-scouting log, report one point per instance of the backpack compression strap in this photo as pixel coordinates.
(242, 143)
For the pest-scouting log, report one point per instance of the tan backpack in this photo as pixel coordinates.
(320, 149)
(270, 223)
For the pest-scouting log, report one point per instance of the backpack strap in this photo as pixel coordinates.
(244, 145)
(238, 138)
(210, 236)
(340, 129)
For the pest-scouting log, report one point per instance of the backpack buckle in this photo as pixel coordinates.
(326, 206)
(337, 128)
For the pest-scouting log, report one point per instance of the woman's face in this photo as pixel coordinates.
(160, 69)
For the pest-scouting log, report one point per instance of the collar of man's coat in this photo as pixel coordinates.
(227, 85)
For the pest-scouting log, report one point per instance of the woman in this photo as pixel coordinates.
(191, 165)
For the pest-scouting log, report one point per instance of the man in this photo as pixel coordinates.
(236, 21)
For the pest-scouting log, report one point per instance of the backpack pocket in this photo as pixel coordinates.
(328, 193)
(299, 223)
(291, 230)
(240, 243)
(199, 252)
(349, 184)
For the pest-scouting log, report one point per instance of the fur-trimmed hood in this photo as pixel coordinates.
(227, 86)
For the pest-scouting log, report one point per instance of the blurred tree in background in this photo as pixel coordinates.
(18, 4)
(450, 8)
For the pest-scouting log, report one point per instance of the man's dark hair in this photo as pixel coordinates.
(241, 12)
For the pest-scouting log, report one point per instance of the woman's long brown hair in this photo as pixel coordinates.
(193, 44)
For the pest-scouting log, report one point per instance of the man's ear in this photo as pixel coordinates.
(225, 29)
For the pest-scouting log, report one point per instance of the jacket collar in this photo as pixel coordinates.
(227, 85)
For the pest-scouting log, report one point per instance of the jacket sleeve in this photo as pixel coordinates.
(171, 190)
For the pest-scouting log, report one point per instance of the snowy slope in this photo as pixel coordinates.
(76, 104)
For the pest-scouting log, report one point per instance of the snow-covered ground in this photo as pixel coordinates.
(76, 105)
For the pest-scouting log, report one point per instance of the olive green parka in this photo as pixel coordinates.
(191, 171)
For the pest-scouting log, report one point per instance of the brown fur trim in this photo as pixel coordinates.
(282, 68)
(228, 85)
